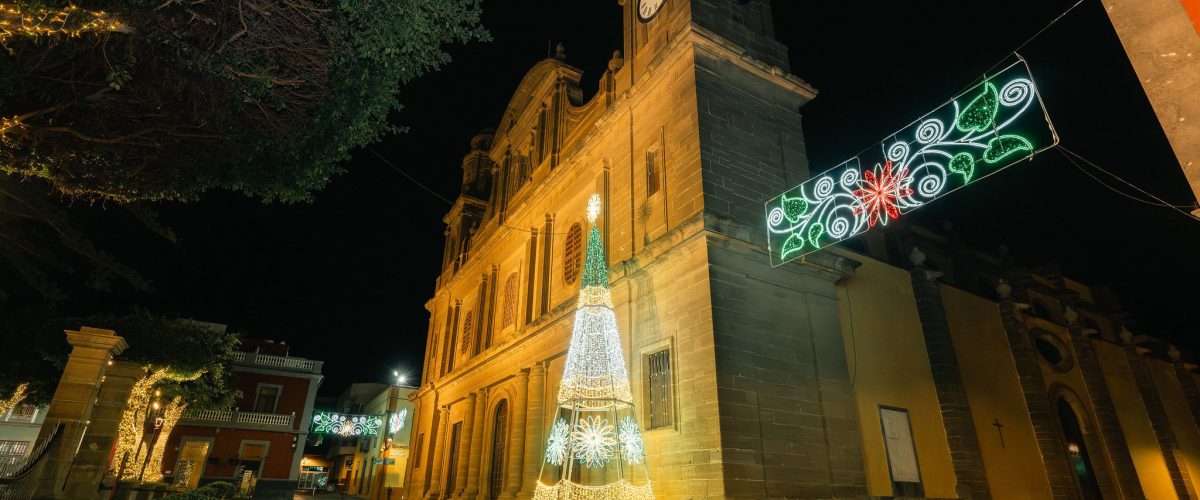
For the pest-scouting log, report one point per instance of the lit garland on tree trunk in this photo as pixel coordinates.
(14, 400)
(594, 448)
(70, 21)
(132, 448)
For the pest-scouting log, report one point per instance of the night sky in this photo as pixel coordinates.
(345, 279)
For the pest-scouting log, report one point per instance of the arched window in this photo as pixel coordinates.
(1077, 452)
(499, 438)
(573, 254)
(510, 301)
(468, 331)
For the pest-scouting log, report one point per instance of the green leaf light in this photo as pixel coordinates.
(794, 208)
(1004, 146)
(794, 244)
(963, 164)
(980, 113)
(815, 231)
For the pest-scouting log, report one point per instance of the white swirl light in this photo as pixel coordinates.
(850, 178)
(838, 226)
(898, 151)
(1016, 92)
(930, 130)
(823, 187)
(775, 217)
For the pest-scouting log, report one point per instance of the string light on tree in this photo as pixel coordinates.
(991, 126)
(70, 21)
(588, 454)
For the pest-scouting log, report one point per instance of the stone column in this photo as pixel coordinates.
(71, 407)
(1126, 480)
(533, 430)
(467, 436)
(1191, 390)
(965, 456)
(435, 480)
(516, 443)
(1172, 455)
(93, 458)
(1037, 402)
(476, 446)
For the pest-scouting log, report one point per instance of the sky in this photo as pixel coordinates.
(345, 278)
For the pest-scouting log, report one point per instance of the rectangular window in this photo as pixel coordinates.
(901, 452)
(22, 413)
(267, 398)
(452, 456)
(653, 172)
(13, 449)
(417, 450)
(661, 405)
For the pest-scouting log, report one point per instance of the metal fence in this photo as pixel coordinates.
(19, 478)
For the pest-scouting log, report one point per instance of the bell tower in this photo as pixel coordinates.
(651, 25)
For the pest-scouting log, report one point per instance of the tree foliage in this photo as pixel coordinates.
(265, 98)
(37, 352)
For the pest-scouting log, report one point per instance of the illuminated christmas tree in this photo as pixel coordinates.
(594, 449)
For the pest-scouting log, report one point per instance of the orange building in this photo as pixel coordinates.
(257, 445)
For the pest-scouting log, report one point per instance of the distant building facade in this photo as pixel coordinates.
(372, 466)
(904, 364)
(258, 444)
(19, 429)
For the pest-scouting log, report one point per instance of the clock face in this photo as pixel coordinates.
(647, 9)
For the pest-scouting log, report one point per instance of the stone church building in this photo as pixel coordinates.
(901, 364)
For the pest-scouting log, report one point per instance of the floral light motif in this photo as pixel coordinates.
(631, 441)
(347, 425)
(989, 127)
(879, 192)
(556, 444)
(396, 421)
(593, 441)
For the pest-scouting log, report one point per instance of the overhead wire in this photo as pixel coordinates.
(1071, 156)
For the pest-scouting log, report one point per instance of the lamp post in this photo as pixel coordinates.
(158, 423)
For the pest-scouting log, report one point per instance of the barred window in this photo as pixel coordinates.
(573, 254)
(661, 405)
(510, 301)
(468, 327)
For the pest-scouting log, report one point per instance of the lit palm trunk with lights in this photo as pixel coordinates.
(594, 447)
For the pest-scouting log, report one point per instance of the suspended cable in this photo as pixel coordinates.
(1159, 202)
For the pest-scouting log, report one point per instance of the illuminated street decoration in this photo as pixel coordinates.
(396, 421)
(983, 130)
(346, 425)
(594, 448)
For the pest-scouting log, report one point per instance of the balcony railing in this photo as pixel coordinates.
(239, 417)
(287, 362)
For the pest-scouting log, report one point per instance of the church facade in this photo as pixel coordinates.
(904, 365)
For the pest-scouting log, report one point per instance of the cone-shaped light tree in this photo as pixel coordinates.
(594, 449)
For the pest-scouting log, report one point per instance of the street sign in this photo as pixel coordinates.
(989, 127)
(384, 461)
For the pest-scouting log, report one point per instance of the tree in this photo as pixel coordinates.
(165, 100)
(594, 446)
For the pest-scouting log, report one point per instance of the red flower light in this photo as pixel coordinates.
(879, 192)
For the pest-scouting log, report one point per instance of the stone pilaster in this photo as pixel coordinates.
(1172, 455)
(468, 436)
(1125, 484)
(947, 380)
(93, 458)
(1037, 402)
(472, 490)
(1191, 390)
(516, 443)
(435, 480)
(71, 407)
(533, 430)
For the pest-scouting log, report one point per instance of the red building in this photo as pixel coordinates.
(258, 444)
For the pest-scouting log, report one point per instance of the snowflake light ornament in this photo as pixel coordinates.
(631, 441)
(878, 193)
(556, 444)
(593, 441)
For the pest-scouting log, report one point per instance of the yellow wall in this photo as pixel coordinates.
(1178, 413)
(1131, 413)
(889, 366)
(994, 392)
